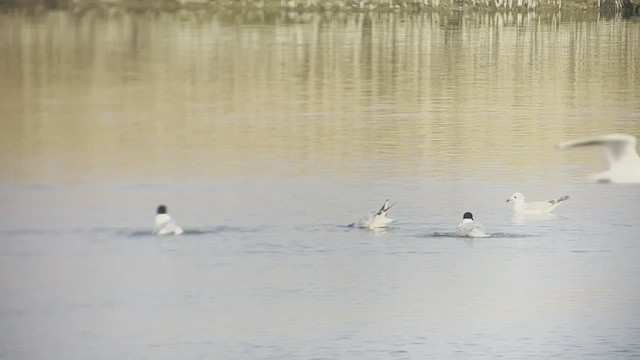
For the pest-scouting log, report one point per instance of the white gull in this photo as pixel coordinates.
(470, 228)
(377, 219)
(534, 208)
(624, 162)
(164, 224)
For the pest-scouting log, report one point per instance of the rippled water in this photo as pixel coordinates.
(266, 134)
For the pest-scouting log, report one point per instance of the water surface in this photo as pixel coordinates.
(267, 134)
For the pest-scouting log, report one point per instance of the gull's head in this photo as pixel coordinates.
(467, 215)
(516, 198)
(161, 209)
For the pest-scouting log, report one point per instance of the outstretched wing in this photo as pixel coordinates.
(616, 145)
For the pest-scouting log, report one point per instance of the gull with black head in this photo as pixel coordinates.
(164, 224)
(470, 228)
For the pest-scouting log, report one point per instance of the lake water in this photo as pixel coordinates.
(265, 134)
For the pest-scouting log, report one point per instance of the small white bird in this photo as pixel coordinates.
(534, 208)
(164, 224)
(470, 228)
(378, 219)
(624, 162)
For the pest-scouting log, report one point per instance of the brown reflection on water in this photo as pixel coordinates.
(195, 95)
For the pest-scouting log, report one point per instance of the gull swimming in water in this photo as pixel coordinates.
(164, 224)
(470, 228)
(624, 162)
(534, 208)
(377, 219)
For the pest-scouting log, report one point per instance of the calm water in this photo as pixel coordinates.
(265, 135)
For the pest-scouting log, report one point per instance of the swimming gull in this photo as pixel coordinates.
(470, 228)
(377, 219)
(533, 208)
(164, 224)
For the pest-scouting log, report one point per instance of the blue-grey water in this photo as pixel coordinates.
(265, 136)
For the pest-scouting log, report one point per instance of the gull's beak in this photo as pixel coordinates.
(507, 200)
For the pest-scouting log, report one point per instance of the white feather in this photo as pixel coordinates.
(471, 228)
(164, 225)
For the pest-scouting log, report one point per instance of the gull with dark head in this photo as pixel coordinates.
(470, 228)
(377, 219)
(624, 162)
(164, 223)
(534, 208)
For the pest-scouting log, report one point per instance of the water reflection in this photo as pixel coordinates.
(112, 93)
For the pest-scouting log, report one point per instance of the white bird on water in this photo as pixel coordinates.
(164, 224)
(377, 219)
(470, 228)
(534, 208)
(624, 162)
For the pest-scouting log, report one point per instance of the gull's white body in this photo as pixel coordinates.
(166, 226)
(378, 219)
(471, 228)
(534, 208)
(624, 162)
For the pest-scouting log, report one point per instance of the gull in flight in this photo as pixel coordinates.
(377, 219)
(534, 208)
(164, 224)
(624, 163)
(470, 228)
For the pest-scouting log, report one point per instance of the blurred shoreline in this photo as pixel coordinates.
(627, 7)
